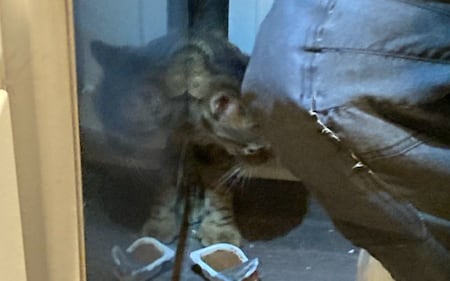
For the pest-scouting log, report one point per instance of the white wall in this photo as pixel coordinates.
(135, 22)
(117, 22)
(245, 16)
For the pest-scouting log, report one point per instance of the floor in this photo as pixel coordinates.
(291, 235)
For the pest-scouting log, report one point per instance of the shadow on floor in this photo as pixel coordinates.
(267, 209)
(292, 243)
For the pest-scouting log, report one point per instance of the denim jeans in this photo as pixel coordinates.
(354, 96)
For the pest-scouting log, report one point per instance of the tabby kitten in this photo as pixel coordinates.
(188, 93)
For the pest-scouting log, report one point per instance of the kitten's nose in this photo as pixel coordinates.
(257, 154)
(253, 149)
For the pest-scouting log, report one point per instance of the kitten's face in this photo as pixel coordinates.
(226, 121)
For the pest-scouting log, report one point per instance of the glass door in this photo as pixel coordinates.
(163, 188)
(129, 153)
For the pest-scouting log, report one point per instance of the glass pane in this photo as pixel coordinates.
(171, 151)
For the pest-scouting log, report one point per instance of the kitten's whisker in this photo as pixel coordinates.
(230, 179)
(242, 175)
(236, 176)
(224, 180)
(246, 178)
(247, 175)
(235, 173)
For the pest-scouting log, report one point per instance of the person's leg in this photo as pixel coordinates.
(414, 165)
(323, 55)
(362, 205)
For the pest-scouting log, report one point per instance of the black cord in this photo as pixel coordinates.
(184, 228)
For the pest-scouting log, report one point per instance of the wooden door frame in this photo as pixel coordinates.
(39, 75)
(12, 256)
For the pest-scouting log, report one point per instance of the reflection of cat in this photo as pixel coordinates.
(186, 87)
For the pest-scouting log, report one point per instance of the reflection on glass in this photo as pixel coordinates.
(171, 151)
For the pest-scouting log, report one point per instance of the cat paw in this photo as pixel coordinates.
(165, 230)
(211, 232)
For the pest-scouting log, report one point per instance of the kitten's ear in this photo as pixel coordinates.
(220, 104)
(103, 53)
